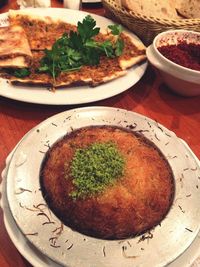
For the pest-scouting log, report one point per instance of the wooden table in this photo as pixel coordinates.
(148, 97)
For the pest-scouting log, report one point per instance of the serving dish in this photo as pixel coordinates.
(181, 80)
(70, 95)
(91, 1)
(162, 245)
(37, 259)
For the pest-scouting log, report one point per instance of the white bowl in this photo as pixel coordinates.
(181, 80)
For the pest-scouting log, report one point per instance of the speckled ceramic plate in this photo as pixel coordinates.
(30, 252)
(190, 258)
(161, 246)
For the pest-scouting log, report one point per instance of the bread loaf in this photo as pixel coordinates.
(190, 9)
(155, 8)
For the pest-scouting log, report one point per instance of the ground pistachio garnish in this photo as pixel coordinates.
(95, 167)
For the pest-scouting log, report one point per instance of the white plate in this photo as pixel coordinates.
(37, 259)
(71, 95)
(44, 230)
(91, 1)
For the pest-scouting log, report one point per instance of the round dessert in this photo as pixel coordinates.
(107, 182)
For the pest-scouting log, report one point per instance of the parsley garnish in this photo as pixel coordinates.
(73, 50)
(21, 73)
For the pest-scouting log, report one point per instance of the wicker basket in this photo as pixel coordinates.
(146, 28)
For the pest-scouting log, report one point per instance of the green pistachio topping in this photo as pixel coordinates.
(95, 167)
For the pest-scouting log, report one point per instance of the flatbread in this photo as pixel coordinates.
(43, 33)
(132, 55)
(178, 3)
(190, 9)
(14, 47)
(107, 70)
(62, 84)
(16, 62)
(152, 8)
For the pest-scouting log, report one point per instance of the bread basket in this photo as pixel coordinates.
(146, 28)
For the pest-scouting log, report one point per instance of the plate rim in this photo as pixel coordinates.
(91, 1)
(26, 249)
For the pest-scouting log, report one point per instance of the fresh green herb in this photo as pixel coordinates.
(76, 49)
(119, 44)
(87, 29)
(95, 167)
(115, 29)
(60, 58)
(21, 73)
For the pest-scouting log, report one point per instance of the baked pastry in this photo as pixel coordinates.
(134, 201)
(14, 47)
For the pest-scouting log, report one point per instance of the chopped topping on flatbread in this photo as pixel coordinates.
(134, 52)
(42, 35)
(42, 32)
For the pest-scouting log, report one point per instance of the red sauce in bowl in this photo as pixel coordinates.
(186, 55)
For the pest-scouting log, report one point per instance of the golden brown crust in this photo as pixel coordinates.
(134, 204)
(14, 62)
(189, 9)
(13, 41)
(134, 52)
(14, 47)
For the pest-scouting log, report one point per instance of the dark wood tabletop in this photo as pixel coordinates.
(149, 97)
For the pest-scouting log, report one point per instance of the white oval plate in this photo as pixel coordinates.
(69, 248)
(75, 94)
(91, 1)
